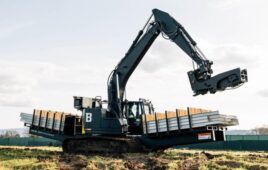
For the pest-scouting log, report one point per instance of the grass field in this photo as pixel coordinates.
(53, 158)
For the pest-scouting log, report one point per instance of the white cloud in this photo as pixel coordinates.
(19, 100)
(17, 81)
(226, 4)
(263, 93)
(164, 54)
(233, 54)
(9, 28)
(33, 83)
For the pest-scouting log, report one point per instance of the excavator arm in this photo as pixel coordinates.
(200, 78)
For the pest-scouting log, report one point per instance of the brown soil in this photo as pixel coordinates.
(161, 160)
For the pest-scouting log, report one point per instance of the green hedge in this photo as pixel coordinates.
(29, 141)
(233, 142)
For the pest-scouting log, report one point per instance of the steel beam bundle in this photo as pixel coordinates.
(43, 121)
(209, 119)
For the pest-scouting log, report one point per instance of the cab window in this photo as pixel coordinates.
(146, 109)
(134, 110)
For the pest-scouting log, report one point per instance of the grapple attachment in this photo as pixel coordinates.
(229, 79)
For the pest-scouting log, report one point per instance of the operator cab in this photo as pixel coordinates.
(133, 111)
(96, 121)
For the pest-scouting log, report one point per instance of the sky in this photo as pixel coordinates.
(51, 51)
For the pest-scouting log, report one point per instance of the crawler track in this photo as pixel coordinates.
(100, 144)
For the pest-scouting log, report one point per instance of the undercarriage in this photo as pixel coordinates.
(100, 144)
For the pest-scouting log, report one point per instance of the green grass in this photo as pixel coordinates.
(53, 158)
(29, 158)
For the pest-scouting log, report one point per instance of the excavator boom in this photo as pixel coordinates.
(201, 79)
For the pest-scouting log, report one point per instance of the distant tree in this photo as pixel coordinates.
(263, 130)
(32, 136)
(10, 134)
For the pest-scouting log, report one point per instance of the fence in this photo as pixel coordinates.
(29, 141)
(247, 137)
(233, 142)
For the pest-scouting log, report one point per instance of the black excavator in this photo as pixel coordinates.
(120, 127)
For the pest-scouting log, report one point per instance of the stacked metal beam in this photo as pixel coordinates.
(212, 118)
(45, 119)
